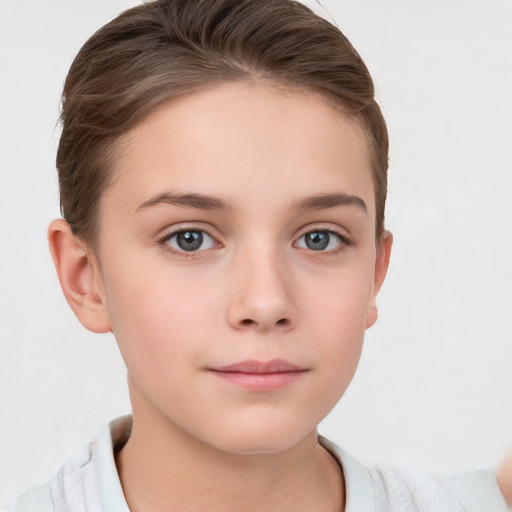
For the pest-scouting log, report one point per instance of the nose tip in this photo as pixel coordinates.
(261, 298)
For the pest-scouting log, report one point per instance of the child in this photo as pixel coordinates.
(222, 170)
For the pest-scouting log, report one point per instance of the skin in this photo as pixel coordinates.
(254, 291)
(504, 476)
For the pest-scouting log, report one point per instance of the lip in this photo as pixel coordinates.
(260, 376)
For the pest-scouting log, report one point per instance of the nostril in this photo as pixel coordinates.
(248, 321)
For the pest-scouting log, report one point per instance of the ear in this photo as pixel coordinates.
(80, 277)
(381, 268)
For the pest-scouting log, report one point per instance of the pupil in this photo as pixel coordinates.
(189, 240)
(317, 240)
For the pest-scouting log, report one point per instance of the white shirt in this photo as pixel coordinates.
(89, 482)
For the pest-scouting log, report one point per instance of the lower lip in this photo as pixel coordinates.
(261, 381)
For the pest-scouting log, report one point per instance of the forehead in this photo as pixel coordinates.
(242, 140)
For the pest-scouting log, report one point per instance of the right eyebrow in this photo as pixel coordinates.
(187, 200)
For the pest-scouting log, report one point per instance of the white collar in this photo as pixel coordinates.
(359, 488)
(111, 492)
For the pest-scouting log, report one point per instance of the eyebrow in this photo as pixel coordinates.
(189, 200)
(207, 202)
(327, 201)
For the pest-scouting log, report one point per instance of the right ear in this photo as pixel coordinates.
(80, 277)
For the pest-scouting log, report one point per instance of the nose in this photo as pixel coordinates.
(261, 295)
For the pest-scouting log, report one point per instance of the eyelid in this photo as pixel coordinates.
(340, 233)
(321, 226)
(172, 231)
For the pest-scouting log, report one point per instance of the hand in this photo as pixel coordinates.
(504, 476)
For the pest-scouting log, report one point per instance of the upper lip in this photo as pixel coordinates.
(253, 366)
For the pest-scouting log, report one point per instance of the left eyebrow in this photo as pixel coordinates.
(326, 201)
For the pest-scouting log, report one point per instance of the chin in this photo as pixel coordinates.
(260, 439)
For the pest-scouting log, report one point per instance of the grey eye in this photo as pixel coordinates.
(191, 240)
(319, 240)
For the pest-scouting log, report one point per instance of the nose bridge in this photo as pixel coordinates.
(261, 295)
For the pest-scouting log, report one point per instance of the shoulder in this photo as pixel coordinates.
(403, 489)
(67, 488)
(433, 492)
(88, 481)
(35, 499)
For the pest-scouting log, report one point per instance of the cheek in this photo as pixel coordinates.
(340, 300)
(337, 315)
(159, 317)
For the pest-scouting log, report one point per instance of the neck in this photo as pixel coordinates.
(163, 468)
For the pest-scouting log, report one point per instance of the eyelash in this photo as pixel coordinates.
(163, 242)
(343, 240)
(165, 246)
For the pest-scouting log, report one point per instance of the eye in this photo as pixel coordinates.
(321, 240)
(190, 240)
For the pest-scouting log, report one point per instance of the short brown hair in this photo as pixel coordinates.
(167, 48)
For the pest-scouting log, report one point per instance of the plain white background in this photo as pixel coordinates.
(434, 386)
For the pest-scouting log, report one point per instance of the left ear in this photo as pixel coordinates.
(381, 268)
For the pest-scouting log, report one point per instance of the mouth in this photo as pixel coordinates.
(260, 376)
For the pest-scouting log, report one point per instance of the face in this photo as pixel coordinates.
(237, 263)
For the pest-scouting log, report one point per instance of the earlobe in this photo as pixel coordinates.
(79, 276)
(381, 268)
